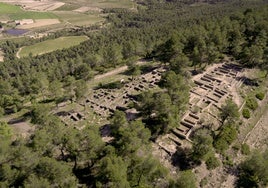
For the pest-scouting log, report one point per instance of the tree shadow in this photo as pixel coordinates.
(26, 116)
(182, 159)
(249, 81)
(17, 120)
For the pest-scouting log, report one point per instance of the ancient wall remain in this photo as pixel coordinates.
(210, 92)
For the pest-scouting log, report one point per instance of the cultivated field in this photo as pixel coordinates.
(51, 45)
(12, 12)
(44, 5)
(78, 19)
(102, 3)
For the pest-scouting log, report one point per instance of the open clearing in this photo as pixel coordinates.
(51, 45)
(12, 12)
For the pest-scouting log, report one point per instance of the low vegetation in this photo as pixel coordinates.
(245, 149)
(246, 113)
(251, 103)
(260, 95)
(254, 171)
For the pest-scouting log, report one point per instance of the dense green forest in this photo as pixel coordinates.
(176, 33)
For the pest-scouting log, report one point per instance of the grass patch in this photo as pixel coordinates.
(246, 113)
(251, 103)
(260, 95)
(245, 150)
(51, 45)
(15, 13)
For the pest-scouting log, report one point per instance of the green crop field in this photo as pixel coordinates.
(15, 12)
(51, 45)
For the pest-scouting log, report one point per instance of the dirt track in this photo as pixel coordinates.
(116, 71)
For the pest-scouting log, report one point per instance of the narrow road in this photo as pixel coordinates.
(18, 52)
(117, 70)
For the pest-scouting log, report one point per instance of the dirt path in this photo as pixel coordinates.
(117, 71)
(18, 53)
(1, 55)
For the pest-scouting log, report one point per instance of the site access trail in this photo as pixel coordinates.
(117, 71)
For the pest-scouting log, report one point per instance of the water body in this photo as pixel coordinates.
(16, 31)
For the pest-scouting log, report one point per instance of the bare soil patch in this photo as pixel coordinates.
(86, 9)
(23, 128)
(39, 23)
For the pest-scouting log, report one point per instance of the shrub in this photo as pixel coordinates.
(251, 103)
(225, 138)
(246, 113)
(212, 162)
(260, 95)
(236, 147)
(245, 150)
(228, 161)
(204, 182)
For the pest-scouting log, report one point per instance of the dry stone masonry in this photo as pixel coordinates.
(211, 90)
(105, 101)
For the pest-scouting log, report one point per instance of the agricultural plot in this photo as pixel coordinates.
(12, 12)
(78, 19)
(46, 5)
(51, 45)
(102, 3)
(39, 23)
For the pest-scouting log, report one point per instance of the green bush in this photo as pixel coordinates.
(251, 103)
(245, 150)
(212, 162)
(204, 182)
(236, 147)
(246, 113)
(225, 138)
(260, 95)
(228, 161)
